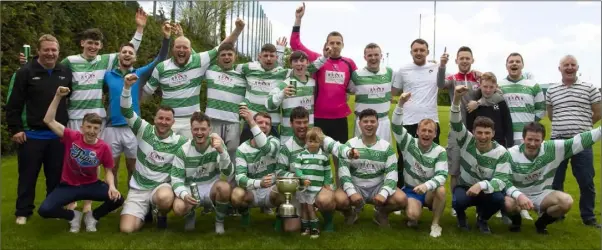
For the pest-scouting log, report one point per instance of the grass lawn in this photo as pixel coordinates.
(45, 234)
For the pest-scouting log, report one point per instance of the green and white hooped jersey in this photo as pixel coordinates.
(372, 90)
(377, 165)
(154, 157)
(259, 85)
(293, 146)
(491, 169)
(526, 102)
(181, 86)
(536, 175)
(314, 167)
(191, 166)
(253, 163)
(420, 167)
(88, 76)
(225, 90)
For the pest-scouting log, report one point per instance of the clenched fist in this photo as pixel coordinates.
(129, 80)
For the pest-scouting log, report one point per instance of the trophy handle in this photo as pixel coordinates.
(301, 188)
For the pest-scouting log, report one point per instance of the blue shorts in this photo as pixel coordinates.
(409, 191)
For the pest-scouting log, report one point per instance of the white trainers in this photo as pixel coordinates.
(90, 222)
(76, 222)
(398, 212)
(525, 214)
(436, 230)
(190, 221)
(453, 212)
(498, 215)
(21, 220)
(219, 228)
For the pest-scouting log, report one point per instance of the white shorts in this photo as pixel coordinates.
(205, 194)
(230, 133)
(138, 202)
(121, 140)
(76, 124)
(261, 197)
(368, 193)
(306, 197)
(181, 126)
(537, 198)
(383, 131)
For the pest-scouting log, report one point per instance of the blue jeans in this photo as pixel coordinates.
(53, 206)
(487, 204)
(583, 169)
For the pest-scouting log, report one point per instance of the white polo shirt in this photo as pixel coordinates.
(421, 81)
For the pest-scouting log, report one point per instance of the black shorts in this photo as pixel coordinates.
(335, 128)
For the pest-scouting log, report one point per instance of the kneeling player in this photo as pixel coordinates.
(535, 163)
(425, 165)
(200, 161)
(255, 167)
(372, 178)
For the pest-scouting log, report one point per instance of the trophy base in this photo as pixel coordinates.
(287, 216)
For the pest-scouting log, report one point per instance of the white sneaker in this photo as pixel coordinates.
(398, 212)
(219, 228)
(76, 222)
(453, 212)
(21, 220)
(498, 215)
(90, 222)
(436, 230)
(190, 221)
(525, 214)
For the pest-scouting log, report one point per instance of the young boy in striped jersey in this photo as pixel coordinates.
(523, 96)
(485, 172)
(180, 79)
(324, 200)
(425, 165)
(200, 162)
(534, 166)
(255, 166)
(312, 166)
(372, 88)
(157, 146)
(296, 90)
(372, 178)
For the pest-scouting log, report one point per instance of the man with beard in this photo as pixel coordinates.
(574, 107)
(180, 79)
(157, 146)
(34, 89)
(535, 167)
(371, 178)
(297, 90)
(299, 120)
(425, 166)
(467, 77)
(332, 84)
(486, 169)
(200, 162)
(372, 88)
(524, 97)
(117, 134)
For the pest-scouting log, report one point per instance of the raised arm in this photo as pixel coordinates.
(402, 137)
(137, 124)
(145, 72)
(539, 103)
(567, 148)
(458, 130)
(153, 82)
(296, 36)
(441, 170)
(49, 119)
(338, 149)
(442, 82)
(267, 146)
(233, 37)
(390, 183)
(140, 24)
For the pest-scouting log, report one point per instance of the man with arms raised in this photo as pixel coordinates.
(523, 96)
(574, 107)
(372, 178)
(117, 134)
(425, 166)
(299, 120)
(486, 169)
(372, 88)
(157, 146)
(180, 79)
(84, 153)
(332, 81)
(535, 164)
(200, 162)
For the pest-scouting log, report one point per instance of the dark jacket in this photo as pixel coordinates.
(35, 88)
(500, 114)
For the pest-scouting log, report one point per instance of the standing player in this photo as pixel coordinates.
(84, 153)
(372, 88)
(117, 134)
(157, 146)
(486, 169)
(535, 165)
(425, 168)
(180, 79)
(200, 162)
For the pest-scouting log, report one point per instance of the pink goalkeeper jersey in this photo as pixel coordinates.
(332, 80)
